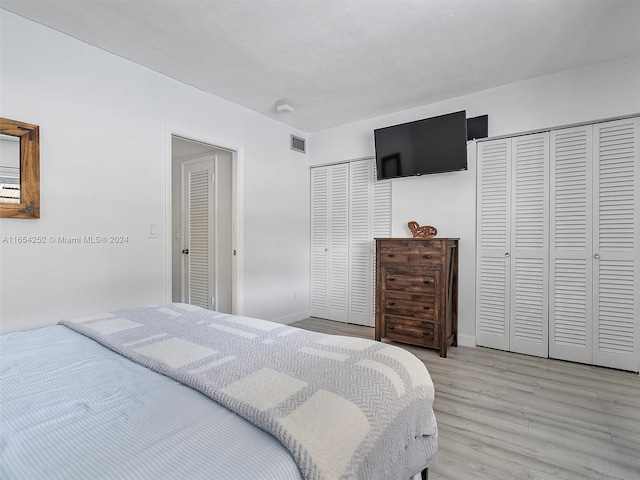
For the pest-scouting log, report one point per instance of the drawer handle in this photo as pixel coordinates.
(426, 256)
(389, 327)
(426, 307)
(426, 333)
(427, 282)
(392, 254)
(392, 303)
(392, 279)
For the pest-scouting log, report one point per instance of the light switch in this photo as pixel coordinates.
(153, 230)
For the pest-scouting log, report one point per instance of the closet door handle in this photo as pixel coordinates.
(597, 256)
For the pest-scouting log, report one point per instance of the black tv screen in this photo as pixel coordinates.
(432, 145)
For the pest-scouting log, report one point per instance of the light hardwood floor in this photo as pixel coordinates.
(506, 416)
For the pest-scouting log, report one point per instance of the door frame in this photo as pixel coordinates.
(237, 213)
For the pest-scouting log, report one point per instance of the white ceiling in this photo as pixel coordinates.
(344, 60)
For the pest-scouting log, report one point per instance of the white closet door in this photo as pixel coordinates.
(493, 227)
(616, 241)
(571, 273)
(381, 209)
(330, 242)
(319, 242)
(529, 251)
(381, 228)
(360, 258)
(347, 210)
(338, 265)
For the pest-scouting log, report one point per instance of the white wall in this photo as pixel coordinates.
(105, 171)
(447, 201)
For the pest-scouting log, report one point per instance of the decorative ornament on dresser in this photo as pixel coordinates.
(426, 231)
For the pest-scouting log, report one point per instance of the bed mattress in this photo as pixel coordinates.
(72, 409)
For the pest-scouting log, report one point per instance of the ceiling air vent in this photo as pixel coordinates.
(297, 144)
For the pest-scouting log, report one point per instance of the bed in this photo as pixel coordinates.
(174, 391)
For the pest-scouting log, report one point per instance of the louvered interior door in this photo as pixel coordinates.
(529, 250)
(571, 249)
(319, 242)
(493, 275)
(347, 210)
(616, 252)
(360, 259)
(338, 253)
(381, 228)
(329, 242)
(198, 208)
(593, 259)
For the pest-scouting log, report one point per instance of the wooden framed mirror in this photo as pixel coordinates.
(19, 169)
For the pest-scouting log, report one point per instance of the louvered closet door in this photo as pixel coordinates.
(493, 227)
(360, 258)
(338, 265)
(571, 273)
(319, 242)
(369, 217)
(381, 228)
(347, 210)
(616, 252)
(529, 250)
(329, 242)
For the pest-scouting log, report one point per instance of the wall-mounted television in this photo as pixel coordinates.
(432, 145)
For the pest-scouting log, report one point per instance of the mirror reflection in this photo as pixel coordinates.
(9, 169)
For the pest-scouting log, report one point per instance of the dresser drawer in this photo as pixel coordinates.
(408, 305)
(410, 252)
(419, 332)
(411, 280)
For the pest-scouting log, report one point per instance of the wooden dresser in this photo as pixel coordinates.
(417, 291)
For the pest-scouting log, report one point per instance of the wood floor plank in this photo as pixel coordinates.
(499, 462)
(506, 416)
(627, 438)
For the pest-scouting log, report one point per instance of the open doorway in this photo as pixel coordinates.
(203, 262)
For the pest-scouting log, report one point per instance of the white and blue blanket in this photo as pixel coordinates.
(344, 407)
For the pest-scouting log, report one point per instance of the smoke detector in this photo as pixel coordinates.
(284, 105)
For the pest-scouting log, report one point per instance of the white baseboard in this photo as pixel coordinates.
(293, 317)
(466, 340)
